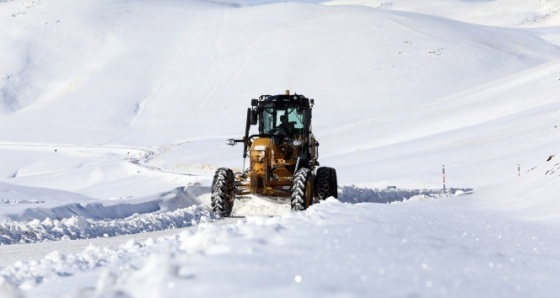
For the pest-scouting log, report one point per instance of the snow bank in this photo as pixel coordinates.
(170, 210)
(31, 203)
(175, 209)
(77, 227)
(353, 194)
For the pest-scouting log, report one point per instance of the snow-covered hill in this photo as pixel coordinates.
(114, 116)
(501, 13)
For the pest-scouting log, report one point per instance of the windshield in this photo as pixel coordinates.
(271, 119)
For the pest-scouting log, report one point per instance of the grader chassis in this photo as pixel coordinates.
(283, 157)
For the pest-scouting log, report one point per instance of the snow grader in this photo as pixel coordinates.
(283, 157)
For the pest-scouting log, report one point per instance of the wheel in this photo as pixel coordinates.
(302, 190)
(326, 183)
(223, 192)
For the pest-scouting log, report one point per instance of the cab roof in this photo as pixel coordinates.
(282, 100)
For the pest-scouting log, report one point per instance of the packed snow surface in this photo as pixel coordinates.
(441, 118)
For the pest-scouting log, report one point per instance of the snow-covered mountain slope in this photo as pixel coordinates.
(114, 116)
(147, 80)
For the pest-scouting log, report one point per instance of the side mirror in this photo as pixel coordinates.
(254, 115)
(230, 142)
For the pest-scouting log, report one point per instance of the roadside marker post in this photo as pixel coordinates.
(443, 171)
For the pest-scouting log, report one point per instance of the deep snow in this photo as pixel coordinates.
(114, 116)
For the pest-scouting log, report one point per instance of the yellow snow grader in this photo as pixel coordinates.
(282, 157)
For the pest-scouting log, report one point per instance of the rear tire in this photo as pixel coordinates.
(326, 183)
(302, 190)
(223, 192)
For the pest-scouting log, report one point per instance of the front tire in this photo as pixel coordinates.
(223, 192)
(302, 190)
(326, 183)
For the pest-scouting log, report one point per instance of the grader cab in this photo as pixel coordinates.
(283, 157)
